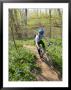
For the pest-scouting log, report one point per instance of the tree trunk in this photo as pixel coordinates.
(50, 22)
(60, 15)
(25, 33)
(25, 17)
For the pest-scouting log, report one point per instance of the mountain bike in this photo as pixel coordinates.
(45, 57)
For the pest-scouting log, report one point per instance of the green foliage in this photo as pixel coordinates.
(22, 61)
(28, 42)
(21, 64)
(54, 49)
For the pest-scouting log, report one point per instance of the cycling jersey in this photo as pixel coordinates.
(38, 38)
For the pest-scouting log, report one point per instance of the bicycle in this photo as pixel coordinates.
(44, 57)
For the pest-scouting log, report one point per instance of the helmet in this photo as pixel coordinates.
(41, 31)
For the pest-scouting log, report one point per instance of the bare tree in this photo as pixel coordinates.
(11, 20)
(25, 17)
(60, 15)
(50, 22)
(25, 21)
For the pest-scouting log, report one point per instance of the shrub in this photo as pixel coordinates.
(54, 49)
(20, 64)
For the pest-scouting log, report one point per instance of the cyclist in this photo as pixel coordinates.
(38, 39)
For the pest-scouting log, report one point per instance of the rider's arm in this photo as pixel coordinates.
(37, 45)
(36, 41)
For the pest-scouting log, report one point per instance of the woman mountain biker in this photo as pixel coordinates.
(38, 39)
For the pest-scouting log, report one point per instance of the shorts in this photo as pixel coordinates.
(43, 45)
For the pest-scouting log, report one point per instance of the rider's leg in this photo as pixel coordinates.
(40, 54)
(42, 43)
(39, 50)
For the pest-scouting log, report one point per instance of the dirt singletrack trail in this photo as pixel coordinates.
(47, 74)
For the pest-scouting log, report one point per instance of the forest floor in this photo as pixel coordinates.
(47, 73)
